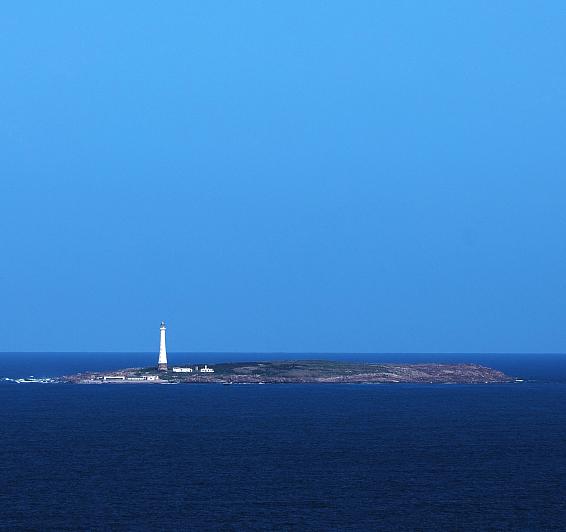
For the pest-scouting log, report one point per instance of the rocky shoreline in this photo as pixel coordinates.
(300, 372)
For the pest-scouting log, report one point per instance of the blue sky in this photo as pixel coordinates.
(383, 176)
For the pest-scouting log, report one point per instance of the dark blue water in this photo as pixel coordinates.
(389, 457)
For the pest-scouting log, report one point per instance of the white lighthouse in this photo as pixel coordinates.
(162, 361)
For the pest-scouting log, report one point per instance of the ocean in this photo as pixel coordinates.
(282, 457)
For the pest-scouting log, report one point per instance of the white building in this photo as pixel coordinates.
(182, 370)
(162, 360)
(206, 369)
(114, 378)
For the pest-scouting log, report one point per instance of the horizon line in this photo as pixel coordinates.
(497, 353)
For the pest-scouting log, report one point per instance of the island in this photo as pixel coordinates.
(298, 372)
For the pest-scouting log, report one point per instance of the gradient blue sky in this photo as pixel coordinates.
(283, 176)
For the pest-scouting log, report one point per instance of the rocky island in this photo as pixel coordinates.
(299, 372)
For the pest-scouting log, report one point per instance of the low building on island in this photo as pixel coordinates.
(129, 378)
(205, 369)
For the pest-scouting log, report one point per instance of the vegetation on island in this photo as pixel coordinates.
(310, 371)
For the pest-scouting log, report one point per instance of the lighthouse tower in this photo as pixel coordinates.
(162, 361)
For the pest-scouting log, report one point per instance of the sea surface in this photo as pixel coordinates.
(282, 457)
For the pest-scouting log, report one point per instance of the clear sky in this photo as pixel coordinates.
(283, 176)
